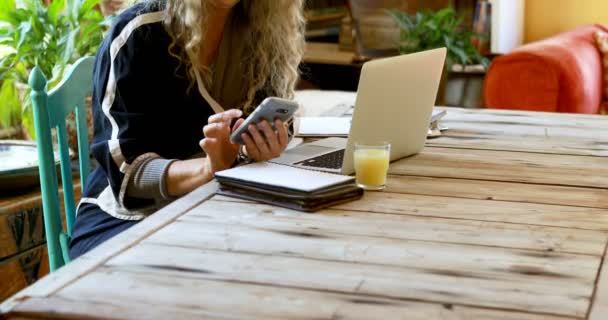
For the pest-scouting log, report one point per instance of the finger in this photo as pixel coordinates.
(271, 139)
(237, 124)
(209, 129)
(214, 129)
(207, 145)
(282, 133)
(252, 149)
(260, 142)
(225, 116)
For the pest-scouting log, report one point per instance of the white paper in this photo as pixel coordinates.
(336, 126)
(278, 175)
(324, 126)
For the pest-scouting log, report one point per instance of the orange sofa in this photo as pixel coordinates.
(559, 74)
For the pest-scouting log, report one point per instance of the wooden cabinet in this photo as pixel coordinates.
(23, 253)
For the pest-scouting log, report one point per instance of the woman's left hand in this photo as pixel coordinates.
(266, 144)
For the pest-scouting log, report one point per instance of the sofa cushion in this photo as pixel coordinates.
(559, 74)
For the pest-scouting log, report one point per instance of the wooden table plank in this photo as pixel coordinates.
(449, 259)
(536, 132)
(500, 191)
(506, 235)
(128, 298)
(551, 119)
(482, 210)
(350, 278)
(599, 308)
(551, 169)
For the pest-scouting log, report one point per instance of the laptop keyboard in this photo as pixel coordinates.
(332, 160)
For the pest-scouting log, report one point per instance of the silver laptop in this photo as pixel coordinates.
(395, 100)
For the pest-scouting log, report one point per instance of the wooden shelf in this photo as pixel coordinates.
(327, 53)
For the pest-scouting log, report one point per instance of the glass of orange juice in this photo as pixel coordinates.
(371, 164)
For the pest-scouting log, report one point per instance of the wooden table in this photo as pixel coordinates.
(505, 217)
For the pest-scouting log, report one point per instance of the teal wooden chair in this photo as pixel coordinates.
(50, 111)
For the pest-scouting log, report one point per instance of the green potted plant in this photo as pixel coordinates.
(431, 30)
(428, 30)
(50, 37)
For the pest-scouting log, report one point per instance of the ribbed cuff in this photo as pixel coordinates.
(149, 180)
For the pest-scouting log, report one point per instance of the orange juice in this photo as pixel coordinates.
(371, 167)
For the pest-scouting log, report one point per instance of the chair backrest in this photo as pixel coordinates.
(50, 111)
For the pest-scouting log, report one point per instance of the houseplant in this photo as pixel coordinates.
(50, 37)
(428, 30)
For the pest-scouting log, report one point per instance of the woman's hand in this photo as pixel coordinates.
(216, 144)
(265, 144)
(186, 175)
(260, 145)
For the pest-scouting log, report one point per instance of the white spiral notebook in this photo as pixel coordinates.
(282, 176)
(288, 187)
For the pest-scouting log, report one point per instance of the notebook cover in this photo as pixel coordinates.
(290, 194)
(299, 205)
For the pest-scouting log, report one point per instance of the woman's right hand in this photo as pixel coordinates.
(221, 153)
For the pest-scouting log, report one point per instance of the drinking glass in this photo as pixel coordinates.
(371, 164)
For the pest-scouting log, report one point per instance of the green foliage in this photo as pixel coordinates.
(10, 105)
(50, 37)
(431, 30)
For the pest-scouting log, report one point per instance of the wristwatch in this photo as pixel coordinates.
(241, 158)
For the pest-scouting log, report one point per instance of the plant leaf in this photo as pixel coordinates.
(54, 10)
(6, 7)
(10, 106)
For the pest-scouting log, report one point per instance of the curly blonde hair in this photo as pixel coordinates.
(273, 43)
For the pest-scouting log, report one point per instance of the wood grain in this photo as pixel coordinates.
(535, 132)
(346, 277)
(460, 259)
(158, 299)
(22, 223)
(327, 53)
(482, 210)
(506, 166)
(8, 245)
(21, 231)
(503, 218)
(12, 278)
(93, 259)
(599, 308)
(547, 118)
(23, 270)
(500, 191)
(505, 235)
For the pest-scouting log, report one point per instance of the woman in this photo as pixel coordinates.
(163, 77)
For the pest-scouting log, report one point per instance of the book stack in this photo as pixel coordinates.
(288, 187)
(324, 24)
